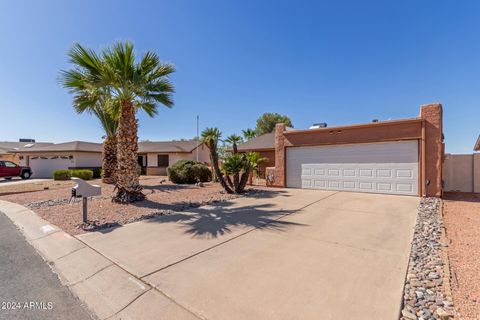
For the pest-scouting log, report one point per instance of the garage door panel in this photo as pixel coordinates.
(44, 167)
(325, 167)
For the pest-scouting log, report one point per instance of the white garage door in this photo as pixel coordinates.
(43, 168)
(390, 167)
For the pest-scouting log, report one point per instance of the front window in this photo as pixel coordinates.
(10, 164)
(162, 160)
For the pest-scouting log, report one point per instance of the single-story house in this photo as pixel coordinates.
(8, 147)
(153, 157)
(403, 157)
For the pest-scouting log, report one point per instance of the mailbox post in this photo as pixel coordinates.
(84, 190)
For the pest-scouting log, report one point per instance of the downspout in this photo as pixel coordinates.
(423, 158)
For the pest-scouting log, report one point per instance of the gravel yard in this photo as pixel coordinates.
(52, 204)
(462, 221)
(427, 290)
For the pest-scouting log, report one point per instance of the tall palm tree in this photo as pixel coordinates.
(249, 134)
(134, 86)
(92, 100)
(211, 136)
(234, 140)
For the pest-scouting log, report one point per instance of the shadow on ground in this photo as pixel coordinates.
(213, 222)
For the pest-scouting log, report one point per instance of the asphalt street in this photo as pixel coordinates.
(28, 287)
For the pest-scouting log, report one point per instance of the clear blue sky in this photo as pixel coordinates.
(339, 62)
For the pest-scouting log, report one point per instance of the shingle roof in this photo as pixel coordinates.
(82, 146)
(167, 146)
(65, 146)
(264, 142)
(12, 146)
(477, 144)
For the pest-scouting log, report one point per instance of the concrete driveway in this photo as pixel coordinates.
(285, 254)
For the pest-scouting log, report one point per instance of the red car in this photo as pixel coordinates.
(8, 170)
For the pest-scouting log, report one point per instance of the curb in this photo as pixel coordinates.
(107, 290)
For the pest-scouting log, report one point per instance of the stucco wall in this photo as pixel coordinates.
(476, 175)
(88, 159)
(458, 172)
(462, 172)
(152, 159)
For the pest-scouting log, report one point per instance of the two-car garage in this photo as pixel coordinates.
(388, 167)
(400, 157)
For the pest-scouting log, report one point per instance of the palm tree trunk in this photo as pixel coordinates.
(216, 168)
(127, 184)
(244, 178)
(109, 159)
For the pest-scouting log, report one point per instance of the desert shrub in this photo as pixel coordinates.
(82, 174)
(189, 171)
(62, 175)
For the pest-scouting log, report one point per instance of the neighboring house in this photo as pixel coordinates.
(43, 160)
(403, 157)
(7, 147)
(153, 157)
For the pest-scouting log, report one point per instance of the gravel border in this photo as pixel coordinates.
(426, 292)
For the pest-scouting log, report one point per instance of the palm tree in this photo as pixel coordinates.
(211, 136)
(88, 98)
(234, 140)
(255, 160)
(249, 134)
(134, 86)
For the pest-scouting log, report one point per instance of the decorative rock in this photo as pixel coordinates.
(424, 296)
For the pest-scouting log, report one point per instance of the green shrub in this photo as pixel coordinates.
(189, 171)
(67, 174)
(82, 174)
(97, 173)
(62, 175)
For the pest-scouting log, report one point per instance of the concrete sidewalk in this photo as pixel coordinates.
(291, 254)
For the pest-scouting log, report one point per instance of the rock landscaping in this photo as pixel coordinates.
(426, 291)
(163, 197)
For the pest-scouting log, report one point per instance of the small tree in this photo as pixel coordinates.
(211, 136)
(267, 121)
(237, 169)
(234, 140)
(255, 160)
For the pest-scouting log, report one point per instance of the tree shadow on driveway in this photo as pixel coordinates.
(212, 222)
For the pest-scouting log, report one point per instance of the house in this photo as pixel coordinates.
(44, 159)
(7, 147)
(403, 157)
(153, 157)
